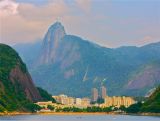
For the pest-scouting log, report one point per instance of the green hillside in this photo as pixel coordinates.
(153, 103)
(12, 85)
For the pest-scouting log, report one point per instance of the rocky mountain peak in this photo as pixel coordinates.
(55, 33)
(51, 42)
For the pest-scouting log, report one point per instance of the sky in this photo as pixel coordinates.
(110, 23)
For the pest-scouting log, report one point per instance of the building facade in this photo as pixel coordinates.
(94, 94)
(118, 101)
(70, 101)
(103, 92)
(64, 99)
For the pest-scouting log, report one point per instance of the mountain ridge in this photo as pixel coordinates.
(76, 60)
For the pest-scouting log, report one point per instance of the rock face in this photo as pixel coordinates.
(145, 77)
(50, 44)
(15, 81)
(25, 80)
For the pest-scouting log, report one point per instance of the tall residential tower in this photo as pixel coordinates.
(103, 92)
(94, 94)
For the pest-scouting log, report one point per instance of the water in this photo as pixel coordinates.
(79, 118)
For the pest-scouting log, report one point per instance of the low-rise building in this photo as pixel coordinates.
(118, 101)
(71, 101)
(44, 104)
(57, 98)
(85, 102)
(78, 101)
(64, 99)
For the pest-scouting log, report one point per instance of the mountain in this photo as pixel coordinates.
(71, 65)
(16, 86)
(50, 44)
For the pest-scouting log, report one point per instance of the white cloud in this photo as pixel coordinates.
(8, 7)
(26, 22)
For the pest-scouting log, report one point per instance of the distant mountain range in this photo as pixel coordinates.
(68, 64)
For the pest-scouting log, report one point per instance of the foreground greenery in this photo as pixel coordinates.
(12, 95)
(12, 98)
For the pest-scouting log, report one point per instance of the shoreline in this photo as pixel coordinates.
(77, 113)
(15, 113)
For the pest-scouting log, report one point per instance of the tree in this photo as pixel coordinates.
(107, 109)
(122, 108)
(2, 109)
(32, 107)
(45, 95)
(135, 108)
(50, 107)
(100, 100)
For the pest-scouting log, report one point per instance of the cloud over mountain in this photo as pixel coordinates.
(106, 23)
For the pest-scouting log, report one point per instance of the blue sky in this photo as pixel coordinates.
(111, 23)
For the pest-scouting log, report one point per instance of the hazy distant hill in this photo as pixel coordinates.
(70, 65)
(29, 51)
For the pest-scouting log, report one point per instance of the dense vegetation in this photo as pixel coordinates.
(152, 104)
(88, 109)
(10, 100)
(12, 96)
(45, 95)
